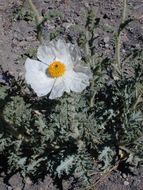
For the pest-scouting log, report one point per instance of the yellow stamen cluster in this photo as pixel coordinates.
(56, 69)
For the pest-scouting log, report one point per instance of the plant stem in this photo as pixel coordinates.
(137, 101)
(87, 49)
(118, 46)
(38, 20)
(124, 11)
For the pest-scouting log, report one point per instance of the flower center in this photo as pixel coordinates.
(56, 69)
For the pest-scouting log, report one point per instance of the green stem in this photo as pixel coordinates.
(124, 11)
(38, 20)
(93, 96)
(137, 101)
(118, 46)
(87, 45)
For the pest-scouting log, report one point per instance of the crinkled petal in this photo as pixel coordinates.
(69, 53)
(67, 78)
(56, 50)
(60, 48)
(58, 88)
(62, 52)
(76, 82)
(37, 78)
(46, 54)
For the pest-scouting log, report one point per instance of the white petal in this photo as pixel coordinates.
(37, 78)
(62, 52)
(68, 52)
(60, 48)
(58, 88)
(77, 82)
(46, 54)
(67, 81)
(56, 50)
(34, 65)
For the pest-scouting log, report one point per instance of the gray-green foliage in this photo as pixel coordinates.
(20, 13)
(3, 93)
(65, 136)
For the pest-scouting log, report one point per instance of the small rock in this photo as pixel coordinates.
(124, 176)
(106, 45)
(9, 188)
(67, 25)
(126, 183)
(106, 39)
(86, 4)
(137, 45)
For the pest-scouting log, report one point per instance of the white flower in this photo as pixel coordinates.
(57, 70)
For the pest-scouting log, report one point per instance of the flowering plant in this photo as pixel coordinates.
(57, 71)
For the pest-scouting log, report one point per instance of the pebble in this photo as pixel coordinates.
(67, 25)
(124, 175)
(86, 4)
(106, 39)
(9, 188)
(106, 45)
(126, 183)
